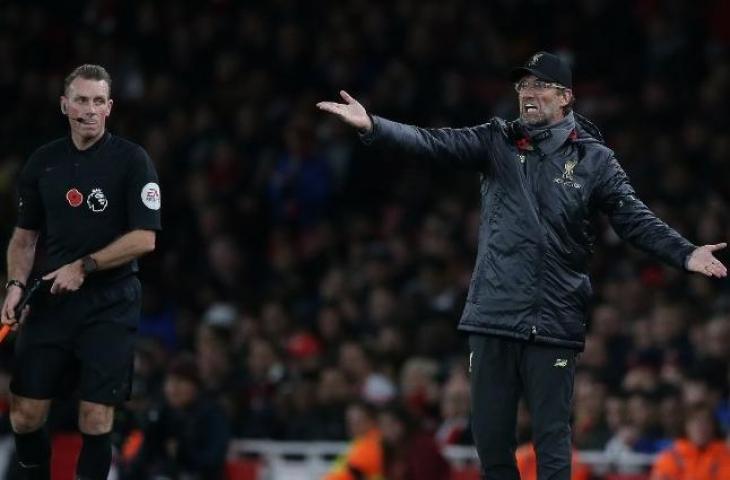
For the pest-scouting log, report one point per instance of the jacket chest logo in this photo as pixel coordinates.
(569, 167)
(97, 201)
(567, 178)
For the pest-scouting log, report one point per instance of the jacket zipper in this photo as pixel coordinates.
(541, 245)
(531, 178)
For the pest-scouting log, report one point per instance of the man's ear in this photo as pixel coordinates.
(64, 108)
(566, 97)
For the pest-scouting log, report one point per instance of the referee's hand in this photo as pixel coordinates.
(11, 301)
(68, 278)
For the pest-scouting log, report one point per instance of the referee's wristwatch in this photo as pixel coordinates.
(89, 265)
(14, 283)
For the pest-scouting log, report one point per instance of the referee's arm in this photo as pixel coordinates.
(124, 249)
(21, 253)
(21, 249)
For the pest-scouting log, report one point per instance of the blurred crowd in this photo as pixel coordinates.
(299, 272)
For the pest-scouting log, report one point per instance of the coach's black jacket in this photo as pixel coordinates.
(531, 274)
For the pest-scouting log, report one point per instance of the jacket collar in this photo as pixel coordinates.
(549, 139)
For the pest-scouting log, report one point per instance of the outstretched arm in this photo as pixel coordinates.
(460, 147)
(634, 222)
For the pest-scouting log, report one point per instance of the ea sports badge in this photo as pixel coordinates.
(74, 197)
(151, 196)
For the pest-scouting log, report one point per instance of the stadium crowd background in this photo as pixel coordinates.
(303, 271)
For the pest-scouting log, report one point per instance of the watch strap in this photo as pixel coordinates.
(13, 282)
(89, 264)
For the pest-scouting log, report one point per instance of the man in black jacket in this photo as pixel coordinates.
(542, 177)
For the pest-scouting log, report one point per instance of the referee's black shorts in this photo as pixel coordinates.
(82, 340)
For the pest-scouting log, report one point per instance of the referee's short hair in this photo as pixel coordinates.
(88, 72)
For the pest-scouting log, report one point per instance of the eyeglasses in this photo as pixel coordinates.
(539, 85)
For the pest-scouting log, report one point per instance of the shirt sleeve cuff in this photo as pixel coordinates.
(367, 138)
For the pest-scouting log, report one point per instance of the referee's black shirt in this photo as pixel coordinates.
(82, 200)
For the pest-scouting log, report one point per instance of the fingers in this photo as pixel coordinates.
(24, 314)
(719, 270)
(13, 322)
(346, 97)
(331, 107)
(714, 268)
(8, 319)
(716, 247)
(65, 286)
(8, 314)
(51, 275)
(60, 287)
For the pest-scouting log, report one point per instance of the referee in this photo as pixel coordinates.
(543, 176)
(95, 198)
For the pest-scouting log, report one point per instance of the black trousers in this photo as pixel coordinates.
(502, 370)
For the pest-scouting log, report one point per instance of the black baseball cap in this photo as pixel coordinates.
(545, 66)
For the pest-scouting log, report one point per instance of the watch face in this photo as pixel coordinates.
(88, 264)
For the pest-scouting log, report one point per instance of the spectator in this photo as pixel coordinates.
(409, 454)
(643, 416)
(264, 375)
(699, 455)
(188, 435)
(455, 428)
(590, 430)
(364, 456)
(419, 387)
(371, 385)
(333, 396)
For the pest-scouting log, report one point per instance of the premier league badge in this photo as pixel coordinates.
(96, 201)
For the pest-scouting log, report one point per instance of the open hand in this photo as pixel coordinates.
(351, 112)
(703, 261)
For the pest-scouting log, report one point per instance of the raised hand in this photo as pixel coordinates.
(703, 261)
(351, 112)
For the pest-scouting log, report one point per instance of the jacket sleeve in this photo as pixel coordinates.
(458, 147)
(634, 222)
(30, 203)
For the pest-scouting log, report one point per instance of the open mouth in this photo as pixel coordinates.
(529, 108)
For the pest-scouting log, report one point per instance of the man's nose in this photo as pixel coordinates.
(91, 109)
(526, 94)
